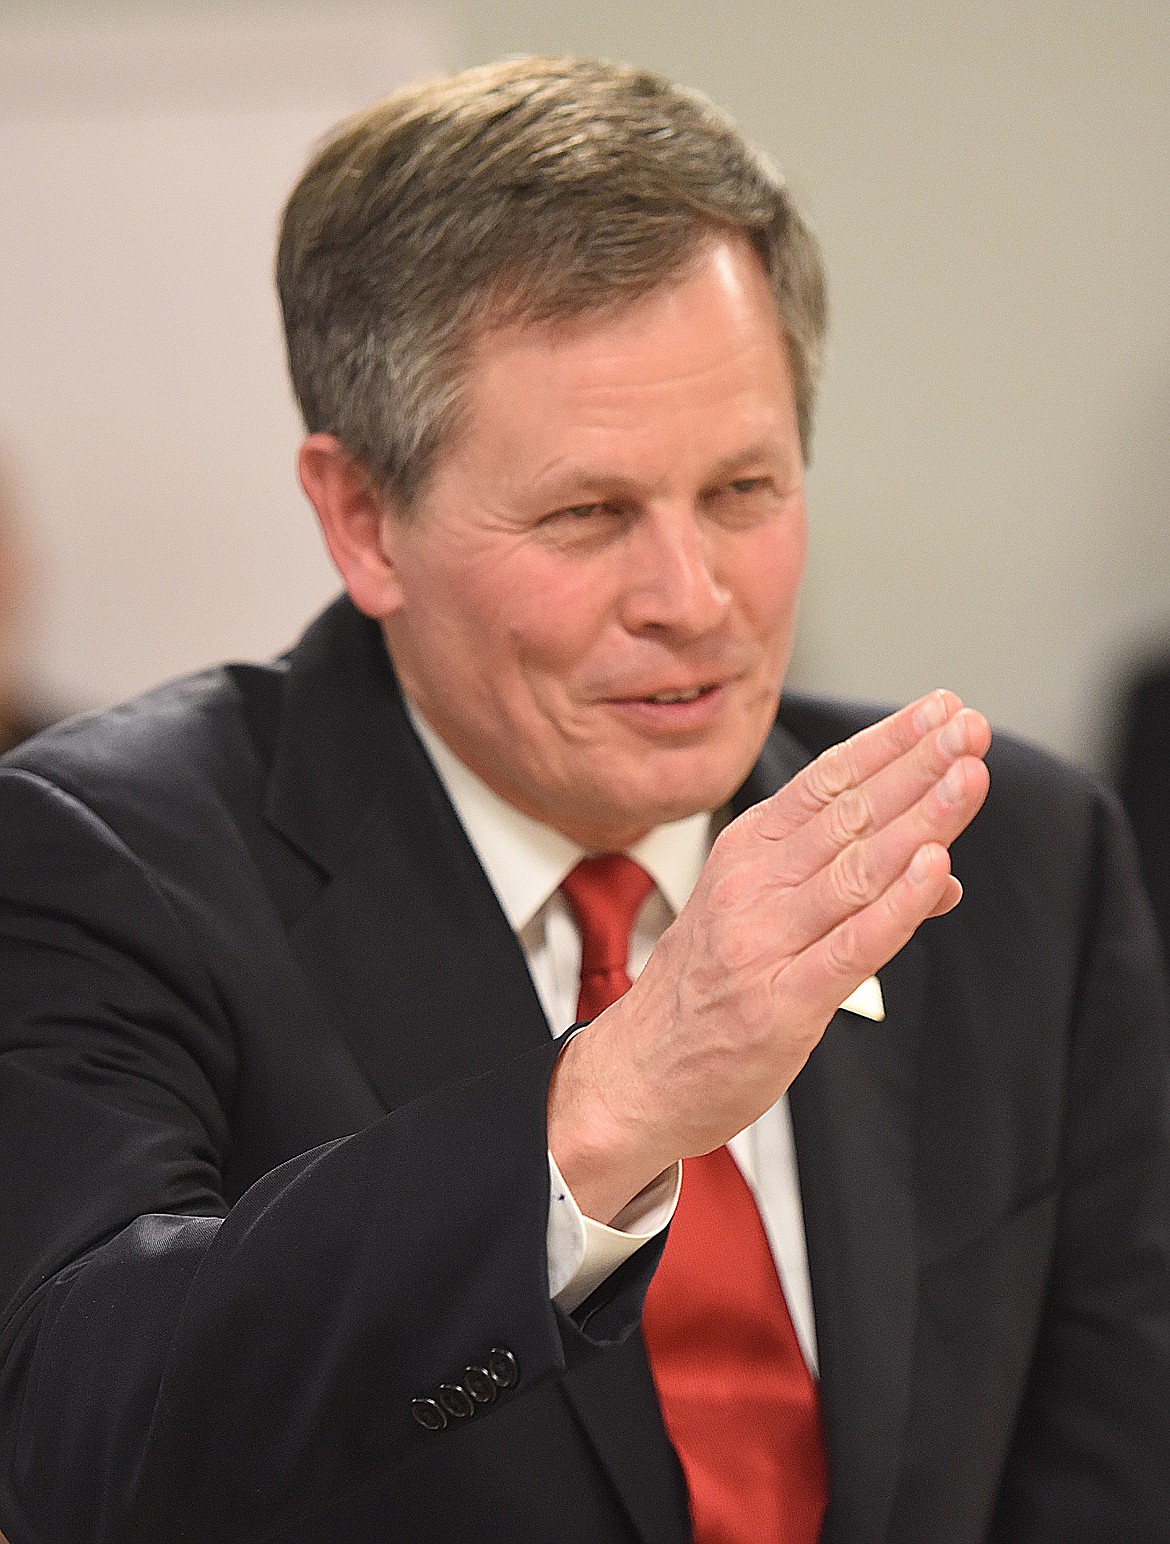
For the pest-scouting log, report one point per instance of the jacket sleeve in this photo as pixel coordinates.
(172, 1367)
(1091, 1452)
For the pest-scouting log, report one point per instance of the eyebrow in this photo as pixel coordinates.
(585, 483)
(765, 449)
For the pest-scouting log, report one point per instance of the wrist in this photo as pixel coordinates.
(604, 1163)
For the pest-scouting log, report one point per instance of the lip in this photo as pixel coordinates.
(672, 717)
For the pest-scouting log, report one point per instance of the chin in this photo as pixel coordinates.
(659, 806)
(707, 786)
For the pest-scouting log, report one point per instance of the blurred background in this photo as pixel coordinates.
(991, 481)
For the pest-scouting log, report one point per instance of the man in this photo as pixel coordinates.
(313, 1230)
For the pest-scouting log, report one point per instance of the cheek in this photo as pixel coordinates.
(471, 608)
(554, 622)
(769, 583)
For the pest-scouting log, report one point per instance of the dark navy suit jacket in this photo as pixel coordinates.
(272, 1160)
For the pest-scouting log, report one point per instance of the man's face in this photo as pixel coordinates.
(597, 592)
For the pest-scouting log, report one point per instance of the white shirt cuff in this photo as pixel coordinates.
(583, 1252)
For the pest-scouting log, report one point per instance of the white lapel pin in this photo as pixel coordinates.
(867, 1001)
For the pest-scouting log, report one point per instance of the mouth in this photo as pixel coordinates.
(673, 709)
(682, 694)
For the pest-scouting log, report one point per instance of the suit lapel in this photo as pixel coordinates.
(404, 932)
(354, 792)
(852, 1114)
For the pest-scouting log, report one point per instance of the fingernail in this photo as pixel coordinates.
(930, 713)
(953, 786)
(954, 737)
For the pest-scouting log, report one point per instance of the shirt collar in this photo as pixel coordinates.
(526, 861)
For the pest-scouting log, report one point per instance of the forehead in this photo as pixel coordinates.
(696, 356)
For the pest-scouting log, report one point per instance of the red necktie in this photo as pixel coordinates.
(736, 1397)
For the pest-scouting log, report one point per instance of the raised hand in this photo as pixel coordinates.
(802, 898)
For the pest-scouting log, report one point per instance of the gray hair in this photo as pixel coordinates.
(530, 190)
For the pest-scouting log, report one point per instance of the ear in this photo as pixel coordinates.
(357, 522)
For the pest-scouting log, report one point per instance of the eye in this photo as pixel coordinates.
(748, 491)
(742, 502)
(597, 512)
(582, 527)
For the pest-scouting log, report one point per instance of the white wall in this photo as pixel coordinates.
(143, 165)
(992, 473)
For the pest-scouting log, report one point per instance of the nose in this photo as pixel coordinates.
(673, 585)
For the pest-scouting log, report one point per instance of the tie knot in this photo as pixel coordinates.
(605, 894)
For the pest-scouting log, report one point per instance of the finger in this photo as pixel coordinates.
(951, 897)
(863, 811)
(851, 763)
(863, 871)
(823, 975)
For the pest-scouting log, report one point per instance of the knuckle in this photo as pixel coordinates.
(730, 949)
(933, 757)
(732, 890)
(831, 773)
(851, 875)
(849, 817)
(841, 949)
(813, 791)
(900, 912)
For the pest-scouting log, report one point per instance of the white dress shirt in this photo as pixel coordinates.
(526, 862)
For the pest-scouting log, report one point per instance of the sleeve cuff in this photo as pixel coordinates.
(583, 1252)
